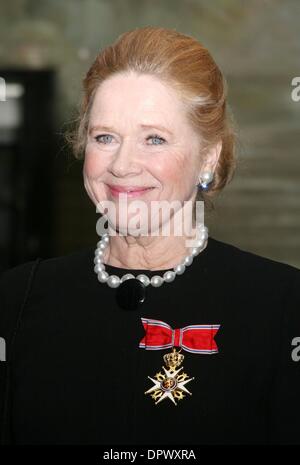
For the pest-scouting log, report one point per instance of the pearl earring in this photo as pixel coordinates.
(205, 179)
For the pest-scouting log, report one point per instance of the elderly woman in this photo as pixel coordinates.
(154, 337)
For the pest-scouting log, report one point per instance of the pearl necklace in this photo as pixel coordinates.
(114, 281)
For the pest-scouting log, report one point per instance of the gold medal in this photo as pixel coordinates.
(171, 383)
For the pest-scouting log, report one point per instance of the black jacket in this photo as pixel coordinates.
(75, 373)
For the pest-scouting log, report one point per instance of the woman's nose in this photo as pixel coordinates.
(125, 160)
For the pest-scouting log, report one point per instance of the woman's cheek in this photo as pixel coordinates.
(169, 167)
(91, 164)
(175, 171)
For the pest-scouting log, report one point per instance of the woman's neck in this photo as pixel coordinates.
(147, 252)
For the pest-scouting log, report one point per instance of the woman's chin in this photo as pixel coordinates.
(133, 227)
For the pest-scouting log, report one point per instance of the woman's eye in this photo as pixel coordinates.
(105, 138)
(157, 140)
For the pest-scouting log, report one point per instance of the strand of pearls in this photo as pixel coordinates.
(156, 281)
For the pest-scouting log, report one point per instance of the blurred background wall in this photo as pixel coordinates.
(46, 47)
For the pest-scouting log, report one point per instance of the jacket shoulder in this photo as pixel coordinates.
(16, 283)
(248, 262)
(16, 276)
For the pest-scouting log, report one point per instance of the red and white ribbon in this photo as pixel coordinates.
(198, 339)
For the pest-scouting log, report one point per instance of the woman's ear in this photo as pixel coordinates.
(211, 158)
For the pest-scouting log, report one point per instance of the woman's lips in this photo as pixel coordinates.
(133, 191)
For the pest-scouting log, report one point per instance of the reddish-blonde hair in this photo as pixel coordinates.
(178, 60)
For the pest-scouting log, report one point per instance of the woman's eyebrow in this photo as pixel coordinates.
(156, 126)
(100, 127)
(144, 126)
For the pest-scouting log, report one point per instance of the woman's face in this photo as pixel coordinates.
(139, 136)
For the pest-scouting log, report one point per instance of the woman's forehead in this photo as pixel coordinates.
(138, 100)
